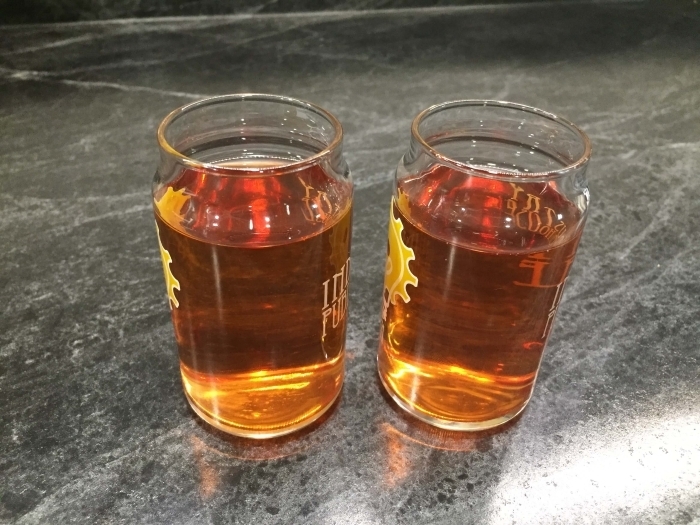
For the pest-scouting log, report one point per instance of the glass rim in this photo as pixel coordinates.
(174, 115)
(496, 172)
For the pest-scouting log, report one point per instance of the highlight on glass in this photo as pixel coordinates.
(253, 207)
(488, 208)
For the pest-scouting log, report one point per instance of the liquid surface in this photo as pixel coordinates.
(490, 261)
(262, 298)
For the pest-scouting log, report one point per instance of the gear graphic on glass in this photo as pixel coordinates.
(170, 205)
(171, 283)
(397, 274)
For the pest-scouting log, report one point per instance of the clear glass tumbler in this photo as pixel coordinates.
(253, 207)
(489, 205)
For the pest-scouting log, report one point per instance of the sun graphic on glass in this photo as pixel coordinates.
(171, 283)
(169, 207)
(397, 274)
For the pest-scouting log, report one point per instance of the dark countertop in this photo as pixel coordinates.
(16, 12)
(94, 427)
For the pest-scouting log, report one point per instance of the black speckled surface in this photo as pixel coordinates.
(94, 427)
(36, 11)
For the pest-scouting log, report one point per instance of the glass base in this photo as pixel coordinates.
(259, 434)
(460, 426)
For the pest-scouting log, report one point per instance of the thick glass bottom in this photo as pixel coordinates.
(265, 403)
(255, 433)
(462, 426)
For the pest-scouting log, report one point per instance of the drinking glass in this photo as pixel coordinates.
(252, 202)
(488, 208)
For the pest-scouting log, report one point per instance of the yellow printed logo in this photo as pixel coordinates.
(171, 283)
(397, 273)
(170, 205)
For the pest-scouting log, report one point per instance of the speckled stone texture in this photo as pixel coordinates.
(33, 11)
(94, 427)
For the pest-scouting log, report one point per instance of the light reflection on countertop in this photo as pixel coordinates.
(600, 467)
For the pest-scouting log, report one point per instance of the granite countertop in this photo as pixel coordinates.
(94, 426)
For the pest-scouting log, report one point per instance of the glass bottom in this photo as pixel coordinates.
(460, 426)
(259, 434)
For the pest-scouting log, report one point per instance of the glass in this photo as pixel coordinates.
(253, 207)
(489, 205)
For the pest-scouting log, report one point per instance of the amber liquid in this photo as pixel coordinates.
(262, 266)
(491, 259)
